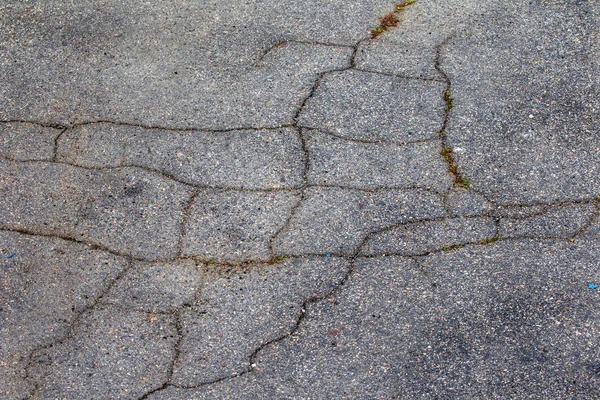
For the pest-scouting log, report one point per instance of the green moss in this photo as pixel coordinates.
(456, 246)
(375, 32)
(276, 259)
(447, 154)
(462, 182)
(448, 100)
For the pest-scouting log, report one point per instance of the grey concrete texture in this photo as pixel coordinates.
(46, 283)
(336, 161)
(536, 65)
(509, 320)
(373, 107)
(246, 309)
(560, 222)
(336, 221)
(411, 49)
(27, 142)
(114, 353)
(251, 159)
(161, 287)
(467, 203)
(121, 209)
(146, 62)
(236, 226)
(421, 238)
(219, 199)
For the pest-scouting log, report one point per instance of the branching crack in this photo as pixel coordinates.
(72, 326)
(251, 263)
(176, 354)
(296, 206)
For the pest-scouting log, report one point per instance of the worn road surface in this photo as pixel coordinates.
(268, 199)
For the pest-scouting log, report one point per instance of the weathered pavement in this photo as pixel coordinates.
(259, 200)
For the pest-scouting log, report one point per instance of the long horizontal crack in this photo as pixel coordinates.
(193, 185)
(143, 126)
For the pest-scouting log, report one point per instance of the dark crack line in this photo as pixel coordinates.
(56, 144)
(42, 124)
(426, 220)
(301, 198)
(192, 185)
(589, 222)
(72, 239)
(593, 219)
(145, 126)
(545, 206)
(177, 345)
(252, 365)
(274, 257)
(303, 104)
(447, 152)
(352, 259)
(191, 129)
(304, 310)
(176, 355)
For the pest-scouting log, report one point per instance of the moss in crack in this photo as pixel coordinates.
(463, 182)
(276, 259)
(402, 6)
(447, 154)
(459, 180)
(448, 100)
(456, 246)
(376, 32)
(390, 20)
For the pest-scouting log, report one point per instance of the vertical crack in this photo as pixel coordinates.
(295, 125)
(447, 152)
(286, 225)
(176, 354)
(55, 144)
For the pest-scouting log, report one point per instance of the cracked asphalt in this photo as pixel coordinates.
(263, 200)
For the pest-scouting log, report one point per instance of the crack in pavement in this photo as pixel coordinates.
(447, 152)
(71, 329)
(222, 266)
(251, 365)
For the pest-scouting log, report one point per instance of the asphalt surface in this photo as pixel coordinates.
(259, 200)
